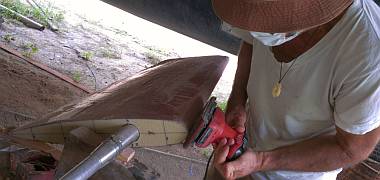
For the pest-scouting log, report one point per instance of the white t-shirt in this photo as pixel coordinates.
(335, 83)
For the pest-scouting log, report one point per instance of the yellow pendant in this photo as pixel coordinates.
(276, 90)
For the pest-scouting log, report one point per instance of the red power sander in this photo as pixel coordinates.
(213, 127)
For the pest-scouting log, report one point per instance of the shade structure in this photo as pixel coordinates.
(163, 102)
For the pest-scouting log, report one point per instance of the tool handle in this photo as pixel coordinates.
(237, 149)
(224, 130)
(240, 141)
(229, 133)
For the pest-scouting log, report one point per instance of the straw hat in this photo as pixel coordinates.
(278, 16)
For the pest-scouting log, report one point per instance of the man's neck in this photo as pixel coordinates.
(289, 51)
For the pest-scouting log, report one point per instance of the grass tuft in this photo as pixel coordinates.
(77, 76)
(152, 57)
(86, 55)
(8, 38)
(29, 49)
(110, 53)
(223, 105)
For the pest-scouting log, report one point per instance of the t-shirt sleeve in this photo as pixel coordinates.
(357, 105)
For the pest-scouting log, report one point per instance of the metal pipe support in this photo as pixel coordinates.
(106, 152)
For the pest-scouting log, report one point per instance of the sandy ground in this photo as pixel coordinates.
(173, 168)
(63, 51)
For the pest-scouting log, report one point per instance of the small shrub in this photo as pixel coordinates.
(152, 57)
(86, 55)
(223, 105)
(110, 53)
(77, 76)
(206, 152)
(8, 38)
(157, 50)
(29, 49)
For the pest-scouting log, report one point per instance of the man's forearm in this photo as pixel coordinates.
(318, 154)
(238, 94)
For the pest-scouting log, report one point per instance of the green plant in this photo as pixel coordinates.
(152, 57)
(8, 38)
(86, 55)
(29, 49)
(223, 105)
(157, 50)
(27, 54)
(53, 14)
(110, 53)
(77, 76)
(33, 48)
(206, 152)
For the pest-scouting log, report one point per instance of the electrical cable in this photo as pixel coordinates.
(208, 164)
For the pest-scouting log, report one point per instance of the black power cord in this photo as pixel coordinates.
(208, 164)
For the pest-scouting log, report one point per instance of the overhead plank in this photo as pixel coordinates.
(193, 18)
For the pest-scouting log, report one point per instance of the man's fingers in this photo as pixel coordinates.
(240, 129)
(230, 141)
(241, 166)
(237, 118)
(221, 152)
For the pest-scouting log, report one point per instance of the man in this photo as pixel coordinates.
(307, 87)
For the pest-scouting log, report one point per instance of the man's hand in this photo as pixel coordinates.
(249, 162)
(236, 118)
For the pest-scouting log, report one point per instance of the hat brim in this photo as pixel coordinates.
(278, 16)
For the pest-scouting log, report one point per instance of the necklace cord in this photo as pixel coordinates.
(279, 79)
(290, 67)
(282, 77)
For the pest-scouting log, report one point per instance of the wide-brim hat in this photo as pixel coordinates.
(278, 15)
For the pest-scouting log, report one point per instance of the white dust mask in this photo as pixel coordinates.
(274, 39)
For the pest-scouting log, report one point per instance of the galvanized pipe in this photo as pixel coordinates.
(28, 22)
(107, 151)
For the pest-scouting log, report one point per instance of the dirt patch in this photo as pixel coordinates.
(171, 168)
(92, 55)
(28, 91)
